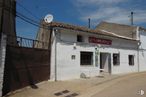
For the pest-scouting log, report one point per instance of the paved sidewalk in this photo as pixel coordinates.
(70, 88)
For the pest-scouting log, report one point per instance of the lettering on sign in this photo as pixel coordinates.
(100, 41)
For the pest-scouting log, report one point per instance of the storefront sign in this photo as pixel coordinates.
(100, 41)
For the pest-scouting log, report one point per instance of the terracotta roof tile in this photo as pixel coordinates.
(84, 29)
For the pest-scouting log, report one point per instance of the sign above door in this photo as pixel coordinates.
(99, 41)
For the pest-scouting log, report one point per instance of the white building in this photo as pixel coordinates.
(81, 52)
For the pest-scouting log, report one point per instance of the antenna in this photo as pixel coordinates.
(132, 18)
(48, 18)
(89, 22)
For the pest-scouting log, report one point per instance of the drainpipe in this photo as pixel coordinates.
(50, 48)
(55, 55)
(138, 54)
(138, 45)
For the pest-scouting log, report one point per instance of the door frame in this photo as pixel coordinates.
(105, 61)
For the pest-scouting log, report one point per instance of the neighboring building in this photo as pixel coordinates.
(81, 52)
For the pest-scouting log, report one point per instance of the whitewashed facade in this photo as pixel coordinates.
(142, 50)
(66, 54)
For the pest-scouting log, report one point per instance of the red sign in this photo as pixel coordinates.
(100, 41)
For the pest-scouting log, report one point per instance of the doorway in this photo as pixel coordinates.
(105, 62)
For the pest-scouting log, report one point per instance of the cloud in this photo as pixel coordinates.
(97, 2)
(108, 10)
(101, 13)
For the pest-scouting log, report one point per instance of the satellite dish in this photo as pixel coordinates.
(48, 18)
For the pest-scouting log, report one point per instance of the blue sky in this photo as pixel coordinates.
(77, 12)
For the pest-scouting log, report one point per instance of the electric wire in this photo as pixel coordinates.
(30, 21)
(28, 11)
(23, 17)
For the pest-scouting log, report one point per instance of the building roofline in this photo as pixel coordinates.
(117, 24)
(142, 28)
(85, 29)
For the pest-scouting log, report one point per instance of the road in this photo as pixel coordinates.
(127, 87)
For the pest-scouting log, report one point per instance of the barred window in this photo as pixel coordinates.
(131, 59)
(79, 38)
(86, 58)
(116, 59)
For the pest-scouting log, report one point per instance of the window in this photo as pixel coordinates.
(131, 59)
(79, 38)
(116, 59)
(73, 57)
(86, 58)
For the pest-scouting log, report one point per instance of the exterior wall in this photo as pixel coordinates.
(25, 67)
(124, 67)
(67, 69)
(142, 51)
(66, 46)
(43, 35)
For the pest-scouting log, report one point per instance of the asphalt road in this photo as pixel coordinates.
(127, 87)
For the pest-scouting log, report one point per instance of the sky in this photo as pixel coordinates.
(77, 12)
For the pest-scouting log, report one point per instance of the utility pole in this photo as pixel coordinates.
(1, 16)
(7, 19)
(7, 27)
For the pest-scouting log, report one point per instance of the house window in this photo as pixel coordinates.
(79, 38)
(73, 57)
(86, 58)
(116, 59)
(131, 59)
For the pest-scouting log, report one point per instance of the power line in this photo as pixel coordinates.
(26, 20)
(27, 10)
(30, 21)
(23, 17)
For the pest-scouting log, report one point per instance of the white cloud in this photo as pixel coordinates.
(97, 2)
(108, 10)
(140, 16)
(101, 13)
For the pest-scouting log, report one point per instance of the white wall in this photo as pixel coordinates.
(142, 52)
(71, 69)
(124, 66)
(67, 68)
(143, 40)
